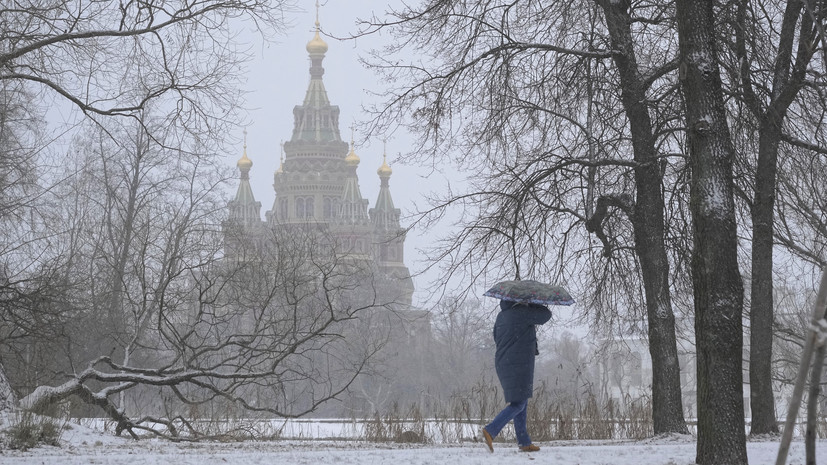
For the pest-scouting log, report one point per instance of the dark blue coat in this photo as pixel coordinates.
(516, 340)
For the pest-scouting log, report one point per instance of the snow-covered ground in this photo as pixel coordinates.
(83, 445)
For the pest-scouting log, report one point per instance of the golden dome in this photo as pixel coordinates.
(316, 44)
(352, 159)
(244, 163)
(384, 170)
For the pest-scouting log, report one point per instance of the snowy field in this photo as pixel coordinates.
(83, 445)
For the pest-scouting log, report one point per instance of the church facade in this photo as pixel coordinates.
(316, 184)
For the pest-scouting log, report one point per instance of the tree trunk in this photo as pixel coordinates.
(762, 400)
(648, 223)
(812, 407)
(718, 287)
(8, 400)
(45, 396)
(788, 79)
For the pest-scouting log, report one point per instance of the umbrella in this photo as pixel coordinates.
(528, 291)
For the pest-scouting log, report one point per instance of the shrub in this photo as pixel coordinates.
(28, 430)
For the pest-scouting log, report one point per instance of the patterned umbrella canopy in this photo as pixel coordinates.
(528, 291)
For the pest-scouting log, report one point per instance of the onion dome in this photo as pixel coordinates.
(316, 46)
(244, 163)
(352, 159)
(384, 171)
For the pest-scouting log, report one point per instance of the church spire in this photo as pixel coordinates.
(385, 216)
(316, 120)
(244, 207)
(316, 95)
(281, 159)
(354, 207)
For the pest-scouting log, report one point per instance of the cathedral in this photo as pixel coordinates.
(316, 183)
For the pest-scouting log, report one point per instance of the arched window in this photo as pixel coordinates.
(282, 213)
(304, 207)
(309, 209)
(300, 208)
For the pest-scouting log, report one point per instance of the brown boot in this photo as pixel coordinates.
(529, 448)
(489, 441)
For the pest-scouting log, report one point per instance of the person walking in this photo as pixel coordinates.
(516, 339)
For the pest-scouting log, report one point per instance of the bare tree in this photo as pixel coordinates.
(151, 323)
(21, 128)
(647, 216)
(279, 334)
(113, 59)
(718, 286)
(551, 107)
(106, 61)
(801, 225)
(570, 371)
(767, 68)
(462, 344)
(20, 149)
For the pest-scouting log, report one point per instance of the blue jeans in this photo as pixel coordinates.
(517, 412)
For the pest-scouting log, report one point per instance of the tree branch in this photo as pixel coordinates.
(595, 224)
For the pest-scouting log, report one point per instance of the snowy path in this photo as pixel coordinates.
(152, 452)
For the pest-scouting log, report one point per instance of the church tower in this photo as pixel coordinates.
(308, 184)
(389, 234)
(317, 184)
(243, 224)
